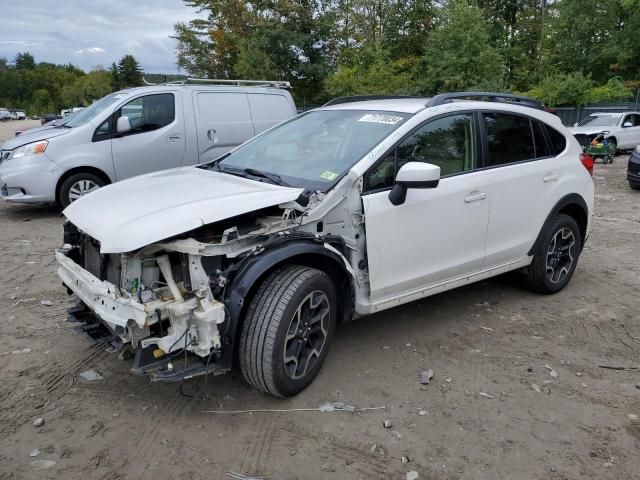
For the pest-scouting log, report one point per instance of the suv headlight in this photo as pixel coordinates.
(605, 132)
(35, 148)
(638, 149)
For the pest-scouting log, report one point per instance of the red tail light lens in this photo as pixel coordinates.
(587, 161)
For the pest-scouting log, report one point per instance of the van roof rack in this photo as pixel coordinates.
(484, 97)
(364, 98)
(224, 81)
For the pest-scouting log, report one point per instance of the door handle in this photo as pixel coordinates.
(212, 135)
(475, 197)
(550, 178)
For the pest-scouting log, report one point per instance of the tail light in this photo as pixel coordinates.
(587, 161)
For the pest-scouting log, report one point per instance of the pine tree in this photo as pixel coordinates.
(129, 73)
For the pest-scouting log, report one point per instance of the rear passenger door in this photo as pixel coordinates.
(629, 137)
(223, 121)
(522, 170)
(268, 110)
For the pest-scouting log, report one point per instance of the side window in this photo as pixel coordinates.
(542, 149)
(509, 138)
(103, 132)
(558, 142)
(150, 112)
(636, 120)
(448, 142)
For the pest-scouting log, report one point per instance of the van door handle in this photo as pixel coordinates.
(550, 178)
(212, 135)
(475, 197)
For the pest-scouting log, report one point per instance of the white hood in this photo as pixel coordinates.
(587, 130)
(131, 214)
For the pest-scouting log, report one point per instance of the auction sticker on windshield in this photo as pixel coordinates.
(379, 118)
(329, 175)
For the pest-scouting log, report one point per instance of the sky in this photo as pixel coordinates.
(88, 33)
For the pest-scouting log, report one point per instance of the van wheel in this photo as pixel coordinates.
(287, 330)
(78, 185)
(556, 255)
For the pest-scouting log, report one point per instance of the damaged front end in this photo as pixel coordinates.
(166, 301)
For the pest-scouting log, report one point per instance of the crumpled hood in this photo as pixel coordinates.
(588, 130)
(40, 133)
(134, 213)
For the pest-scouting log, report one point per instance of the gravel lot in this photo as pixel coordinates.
(480, 417)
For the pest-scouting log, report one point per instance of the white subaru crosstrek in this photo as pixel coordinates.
(350, 209)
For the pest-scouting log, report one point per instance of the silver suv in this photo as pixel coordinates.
(137, 131)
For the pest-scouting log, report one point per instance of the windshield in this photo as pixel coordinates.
(313, 150)
(600, 121)
(89, 113)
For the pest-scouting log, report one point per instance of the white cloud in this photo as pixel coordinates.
(91, 50)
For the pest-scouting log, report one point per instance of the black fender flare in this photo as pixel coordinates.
(254, 267)
(570, 199)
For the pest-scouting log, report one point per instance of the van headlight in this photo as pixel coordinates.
(35, 148)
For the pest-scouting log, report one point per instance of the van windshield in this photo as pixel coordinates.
(312, 150)
(89, 113)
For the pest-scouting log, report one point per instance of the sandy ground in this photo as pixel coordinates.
(487, 344)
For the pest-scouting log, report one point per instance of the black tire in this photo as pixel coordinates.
(64, 197)
(270, 318)
(634, 186)
(545, 274)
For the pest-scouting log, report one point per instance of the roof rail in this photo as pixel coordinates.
(224, 81)
(484, 97)
(364, 98)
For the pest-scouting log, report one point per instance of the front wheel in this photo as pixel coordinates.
(78, 185)
(287, 330)
(555, 256)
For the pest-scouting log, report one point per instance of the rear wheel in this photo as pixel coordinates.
(555, 256)
(78, 185)
(287, 330)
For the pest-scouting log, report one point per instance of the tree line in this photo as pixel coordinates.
(43, 87)
(559, 51)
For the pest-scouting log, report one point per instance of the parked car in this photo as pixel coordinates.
(620, 128)
(20, 115)
(49, 117)
(353, 208)
(4, 115)
(52, 124)
(137, 131)
(633, 169)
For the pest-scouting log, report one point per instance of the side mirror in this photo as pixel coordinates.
(627, 124)
(575, 124)
(413, 175)
(123, 125)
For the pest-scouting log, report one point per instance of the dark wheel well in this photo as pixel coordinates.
(576, 212)
(92, 170)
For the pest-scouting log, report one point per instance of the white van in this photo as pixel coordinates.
(136, 131)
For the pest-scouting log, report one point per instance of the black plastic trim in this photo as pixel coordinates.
(572, 198)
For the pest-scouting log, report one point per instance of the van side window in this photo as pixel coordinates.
(448, 142)
(150, 112)
(558, 142)
(509, 138)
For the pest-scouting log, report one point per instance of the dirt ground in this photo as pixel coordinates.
(481, 418)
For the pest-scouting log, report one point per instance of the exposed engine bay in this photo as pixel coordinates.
(170, 298)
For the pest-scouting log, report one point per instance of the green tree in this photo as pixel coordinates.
(115, 77)
(129, 72)
(459, 53)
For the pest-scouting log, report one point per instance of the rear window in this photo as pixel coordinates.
(509, 138)
(558, 142)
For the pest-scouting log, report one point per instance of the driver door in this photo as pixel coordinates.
(437, 234)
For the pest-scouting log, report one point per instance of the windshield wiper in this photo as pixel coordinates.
(277, 179)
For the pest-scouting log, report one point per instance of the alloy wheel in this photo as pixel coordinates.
(560, 255)
(307, 334)
(81, 188)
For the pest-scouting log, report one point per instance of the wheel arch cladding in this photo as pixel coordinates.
(574, 206)
(255, 269)
(92, 170)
